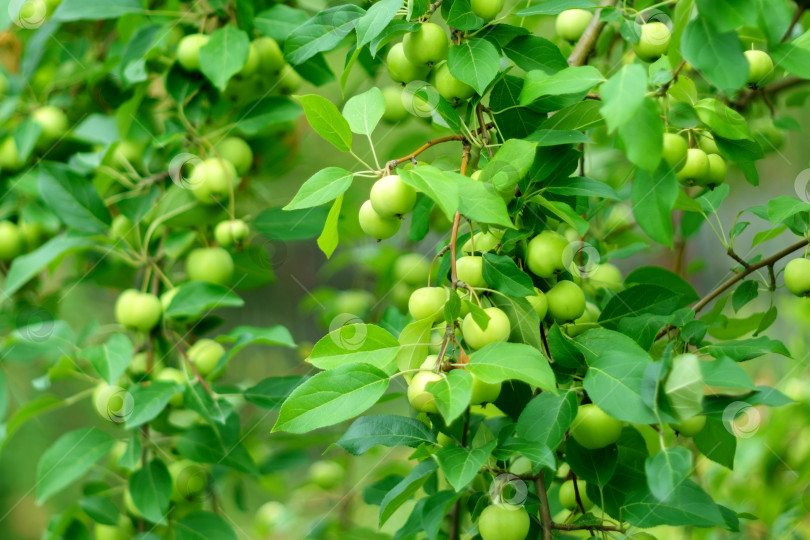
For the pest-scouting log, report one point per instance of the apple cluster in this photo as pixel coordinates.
(702, 166)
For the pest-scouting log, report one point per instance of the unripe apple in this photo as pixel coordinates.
(593, 428)
(212, 264)
(33, 234)
(289, 81)
(127, 152)
(122, 531)
(138, 310)
(390, 196)
(427, 302)
(402, 70)
(412, 268)
(188, 479)
(426, 46)
(653, 41)
(375, 225)
(123, 229)
(167, 297)
(470, 270)
(696, 167)
(483, 241)
(10, 155)
(585, 322)
(498, 329)
(139, 363)
(717, 172)
(271, 59)
(760, 67)
(797, 277)
(522, 465)
(707, 143)
(11, 241)
(251, 63)
(450, 88)
(604, 276)
(571, 23)
(419, 398)
(211, 180)
(483, 392)
(568, 497)
(566, 302)
(188, 51)
(53, 121)
(176, 376)
(674, 150)
(486, 9)
(112, 402)
(544, 254)
(205, 355)
(228, 233)
(503, 523)
(327, 475)
(395, 110)
(268, 517)
(539, 303)
(237, 152)
(691, 426)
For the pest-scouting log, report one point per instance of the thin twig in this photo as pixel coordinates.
(545, 512)
(587, 42)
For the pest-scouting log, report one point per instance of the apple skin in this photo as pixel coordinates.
(483, 241)
(122, 228)
(502, 523)
(167, 297)
(237, 152)
(760, 67)
(544, 254)
(585, 322)
(327, 475)
(205, 355)
(539, 303)
(111, 402)
(412, 268)
(498, 329)
(717, 172)
(11, 241)
(605, 276)
(653, 42)
(419, 398)
(176, 376)
(427, 302)
(426, 46)
(111, 532)
(470, 270)
(402, 70)
(450, 88)
(395, 110)
(228, 233)
(188, 479)
(674, 150)
(141, 311)
(268, 517)
(571, 23)
(696, 167)
(691, 426)
(566, 302)
(211, 179)
(10, 155)
(271, 59)
(375, 225)
(593, 428)
(212, 264)
(53, 121)
(486, 9)
(289, 80)
(188, 51)
(252, 62)
(483, 392)
(568, 497)
(797, 277)
(707, 143)
(390, 196)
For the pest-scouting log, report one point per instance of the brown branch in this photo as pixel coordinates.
(545, 512)
(584, 47)
(771, 89)
(796, 17)
(424, 147)
(568, 527)
(733, 255)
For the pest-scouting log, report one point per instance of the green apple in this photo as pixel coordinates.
(486, 9)
(268, 517)
(176, 376)
(211, 180)
(412, 268)
(544, 254)
(566, 302)
(375, 225)
(498, 329)
(33, 234)
(427, 302)
(641, 536)
(470, 270)
(707, 143)
(571, 23)
(231, 232)
(205, 355)
(138, 310)
(122, 531)
(167, 297)
(696, 167)
(604, 276)
(483, 392)
(483, 241)
(237, 152)
(252, 62)
(395, 110)
(503, 523)
(717, 172)
(539, 303)
(112, 402)
(419, 398)
(587, 321)
(691, 426)
(11, 241)
(450, 88)
(9, 155)
(390, 196)
(139, 363)
(188, 51)
(760, 67)
(326, 475)
(768, 136)
(426, 46)
(402, 70)
(674, 150)
(568, 497)
(123, 229)
(271, 59)
(127, 152)
(212, 264)
(522, 465)
(797, 277)
(593, 428)
(188, 479)
(53, 121)
(289, 80)
(653, 41)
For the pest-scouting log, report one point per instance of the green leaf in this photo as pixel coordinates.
(511, 163)
(279, 21)
(580, 116)
(322, 187)
(328, 239)
(554, 137)
(272, 391)
(69, 458)
(405, 489)
(499, 362)
(535, 53)
(502, 274)
(27, 411)
(781, 209)
(331, 397)
(149, 401)
(689, 505)
(203, 444)
(100, 509)
(242, 336)
(747, 349)
(372, 24)
(724, 121)
(475, 62)
(641, 299)
(461, 465)
(202, 526)
(666, 470)
(684, 386)
(523, 319)
(642, 136)
(661, 277)
(356, 344)
(579, 186)
(151, 490)
(564, 212)
(571, 80)
(717, 442)
(92, 10)
(364, 111)
(325, 119)
(413, 344)
(597, 466)
(622, 95)
(111, 359)
(480, 202)
(73, 198)
(461, 17)
(717, 55)
(555, 7)
(132, 453)
(269, 111)
(196, 298)
(547, 417)
(725, 372)
(321, 33)
(747, 290)
(439, 186)
(386, 430)
(452, 394)
(654, 197)
(224, 55)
